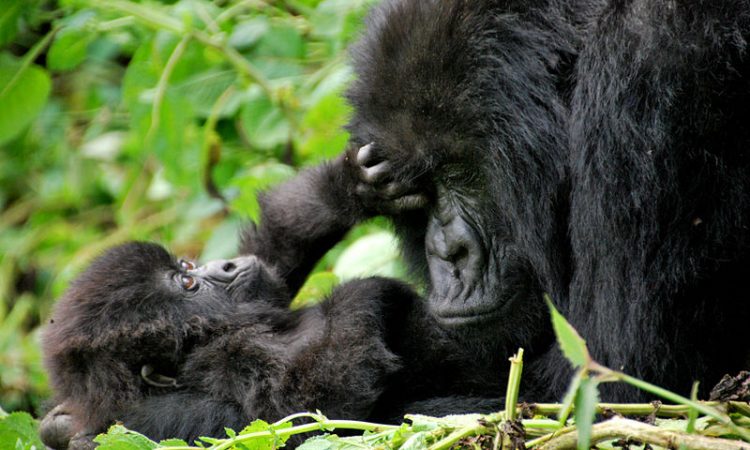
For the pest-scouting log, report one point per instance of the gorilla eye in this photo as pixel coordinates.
(188, 283)
(186, 265)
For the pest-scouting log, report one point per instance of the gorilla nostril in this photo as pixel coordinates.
(229, 267)
(460, 257)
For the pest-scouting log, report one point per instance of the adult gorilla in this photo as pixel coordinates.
(471, 101)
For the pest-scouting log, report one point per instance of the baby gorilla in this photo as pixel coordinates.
(174, 350)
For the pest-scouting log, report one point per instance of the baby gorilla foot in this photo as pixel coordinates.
(384, 186)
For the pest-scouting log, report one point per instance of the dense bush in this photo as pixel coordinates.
(157, 121)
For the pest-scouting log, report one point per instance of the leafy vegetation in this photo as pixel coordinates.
(157, 120)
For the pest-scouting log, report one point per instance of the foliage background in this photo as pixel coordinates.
(158, 120)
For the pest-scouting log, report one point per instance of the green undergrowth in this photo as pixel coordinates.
(579, 422)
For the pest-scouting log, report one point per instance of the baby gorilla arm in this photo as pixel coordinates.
(304, 217)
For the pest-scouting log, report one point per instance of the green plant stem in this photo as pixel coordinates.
(514, 385)
(236, 9)
(29, 59)
(457, 435)
(649, 434)
(541, 440)
(322, 425)
(161, 86)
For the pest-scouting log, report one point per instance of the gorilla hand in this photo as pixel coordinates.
(384, 185)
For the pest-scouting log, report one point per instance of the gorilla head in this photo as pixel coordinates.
(137, 309)
(462, 100)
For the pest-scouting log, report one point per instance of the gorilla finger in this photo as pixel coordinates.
(377, 173)
(394, 190)
(412, 201)
(366, 155)
(365, 191)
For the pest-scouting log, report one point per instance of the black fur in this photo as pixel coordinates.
(464, 107)
(594, 150)
(235, 350)
(644, 103)
(660, 162)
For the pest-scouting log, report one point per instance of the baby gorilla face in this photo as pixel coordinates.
(128, 323)
(243, 279)
(137, 298)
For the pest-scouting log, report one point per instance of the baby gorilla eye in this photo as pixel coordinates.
(188, 283)
(186, 265)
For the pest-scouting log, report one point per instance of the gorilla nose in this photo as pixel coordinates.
(453, 242)
(226, 270)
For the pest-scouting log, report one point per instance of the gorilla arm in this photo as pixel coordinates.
(306, 216)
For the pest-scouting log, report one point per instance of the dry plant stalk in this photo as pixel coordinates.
(648, 434)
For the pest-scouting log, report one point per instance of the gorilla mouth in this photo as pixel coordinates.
(461, 317)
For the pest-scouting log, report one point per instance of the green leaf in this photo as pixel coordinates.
(418, 441)
(19, 429)
(24, 89)
(70, 46)
(69, 49)
(173, 443)
(120, 438)
(263, 442)
(223, 242)
(255, 426)
(316, 443)
(255, 179)
(323, 136)
(247, 33)
(585, 411)
(10, 12)
(570, 397)
(281, 41)
(264, 124)
(316, 287)
(374, 254)
(571, 343)
(204, 89)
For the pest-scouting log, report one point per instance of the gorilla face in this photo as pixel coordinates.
(141, 304)
(477, 273)
(461, 100)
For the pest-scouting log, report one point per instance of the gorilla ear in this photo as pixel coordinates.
(151, 377)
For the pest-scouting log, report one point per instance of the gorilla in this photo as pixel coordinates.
(172, 349)
(175, 350)
(590, 149)
(593, 150)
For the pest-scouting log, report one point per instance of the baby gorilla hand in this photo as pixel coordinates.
(383, 185)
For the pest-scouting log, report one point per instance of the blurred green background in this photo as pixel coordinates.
(158, 120)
